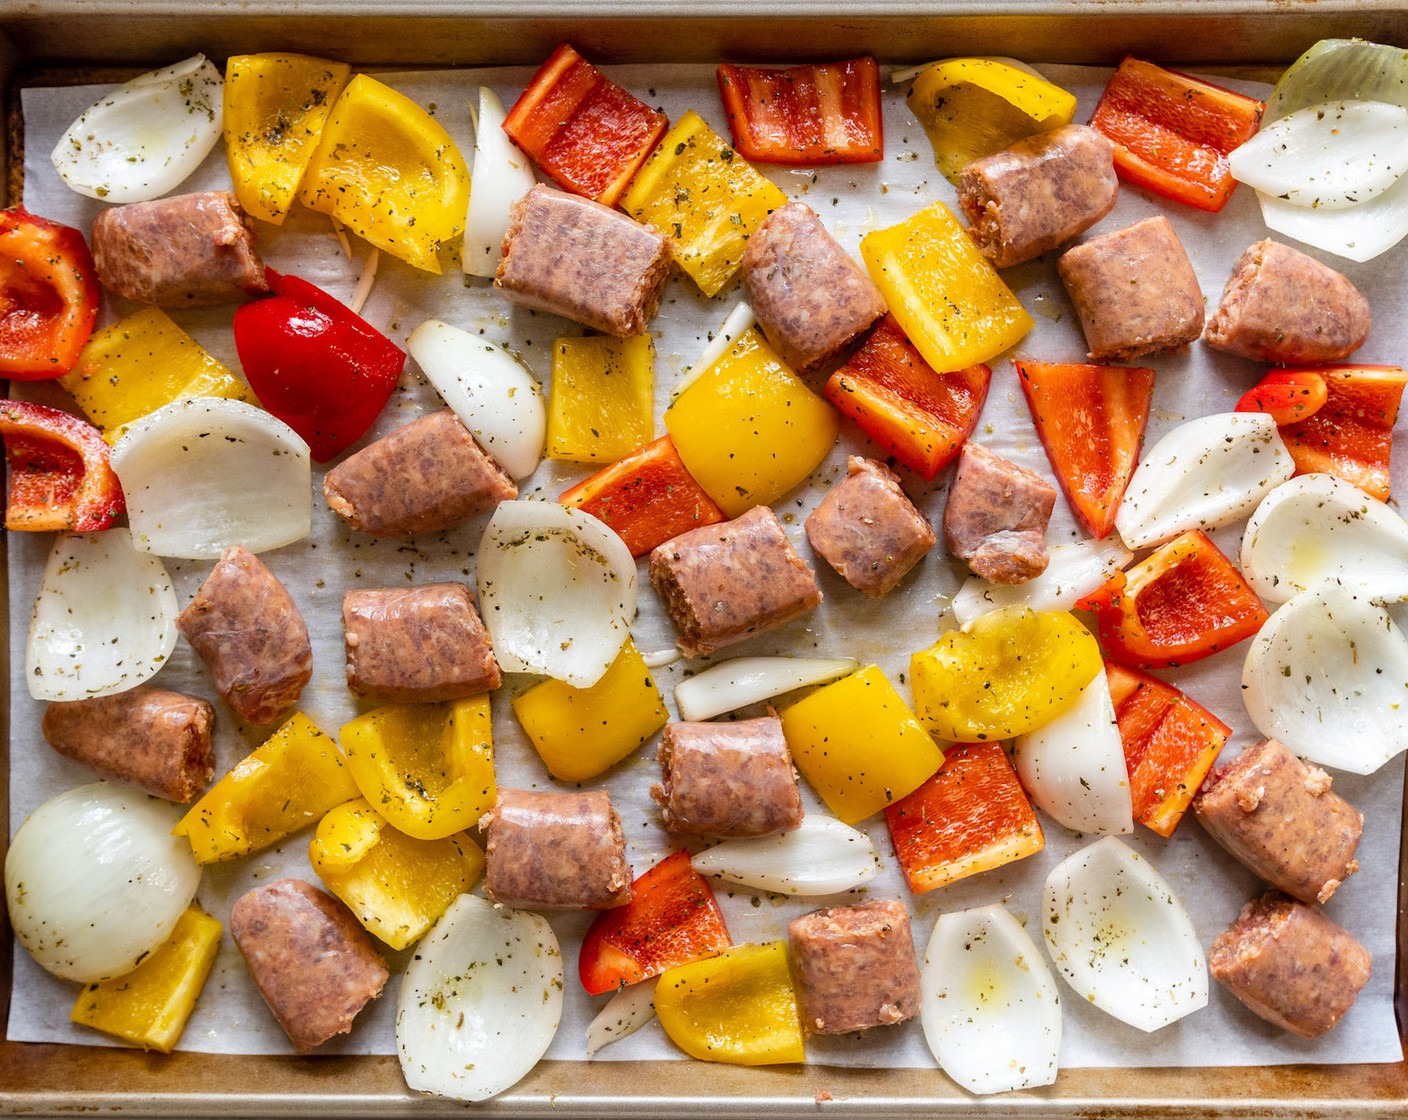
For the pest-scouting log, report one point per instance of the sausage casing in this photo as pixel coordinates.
(855, 967)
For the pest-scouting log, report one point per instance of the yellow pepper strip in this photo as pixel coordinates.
(949, 300)
(141, 364)
(748, 429)
(581, 732)
(859, 745)
(603, 398)
(275, 108)
(396, 885)
(293, 778)
(1005, 673)
(973, 107)
(703, 196)
(427, 768)
(388, 171)
(150, 1005)
(738, 1007)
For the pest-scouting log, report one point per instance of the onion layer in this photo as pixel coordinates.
(822, 856)
(624, 1014)
(741, 681)
(501, 175)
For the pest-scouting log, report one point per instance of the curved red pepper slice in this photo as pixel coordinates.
(805, 115)
(49, 296)
(1286, 395)
(60, 474)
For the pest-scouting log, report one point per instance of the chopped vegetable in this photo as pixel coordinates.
(502, 174)
(1076, 569)
(729, 685)
(49, 296)
(1286, 395)
(1358, 233)
(622, 1015)
(1348, 68)
(61, 476)
(822, 113)
(738, 320)
(603, 397)
(821, 856)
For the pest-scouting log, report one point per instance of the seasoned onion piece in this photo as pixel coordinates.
(1076, 569)
(624, 1014)
(741, 681)
(501, 175)
(823, 856)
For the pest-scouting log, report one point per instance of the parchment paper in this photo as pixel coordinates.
(851, 200)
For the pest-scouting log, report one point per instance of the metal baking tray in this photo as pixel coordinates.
(49, 37)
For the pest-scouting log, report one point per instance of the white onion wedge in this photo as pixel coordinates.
(501, 175)
(1358, 233)
(990, 1008)
(1076, 569)
(1331, 68)
(146, 137)
(204, 474)
(104, 620)
(738, 321)
(1202, 475)
(557, 590)
(489, 389)
(1327, 675)
(1317, 527)
(822, 856)
(624, 1014)
(1121, 938)
(480, 1002)
(1074, 767)
(741, 681)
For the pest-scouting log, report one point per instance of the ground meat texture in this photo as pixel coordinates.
(154, 738)
(559, 851)
(724, 583)
(1290, 964)
(429, 475)
(1135, 291)
(1277, 815)
(418, 645)
(1283, 306)
(811, 298)
(855, 967)
(727, 780)
(868, 530)
(315, 966)
(247, 630)
(178, 252)
(584, 261)
(1038, 194)
(996, 517)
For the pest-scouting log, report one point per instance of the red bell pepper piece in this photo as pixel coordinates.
(49, 296)
(1287, 395)
(1350, 434)
(918, 416)
(1170, 744)
(672, 918)
(322, 370)
(584, 131)
(60, 474)
(822, 113)
(1173, 133)
(1180, 604)
(1091, 421)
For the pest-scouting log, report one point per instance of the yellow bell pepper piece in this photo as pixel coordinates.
(704, 197)
(859, 745)
(738, 1007)
(396, 885)
(293, 778)
(388, 170)
(275, 108)
(602, 405)
(950, 301)
(150, 1005)
(427, 768)
(973, 107)
(581, 732)
(1005, 673)
(749, 429)
(141, 364)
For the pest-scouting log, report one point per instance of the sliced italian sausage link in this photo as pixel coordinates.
(996, 516)
(855, 967)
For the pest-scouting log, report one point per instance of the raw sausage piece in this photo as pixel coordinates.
(811, 298)
(426, 476)
(178, 252)
(418, 645)
(154, 738)
(1283, 306)
(247, 630)
(724, 583)
(1277, 815)
(855, 967)
(726, 780)
(867, 528)
(315, 966)
(584, 261)
(1290, 964)
(1135, 291)
(560, 851)
(1038, 194)
(996, 517)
